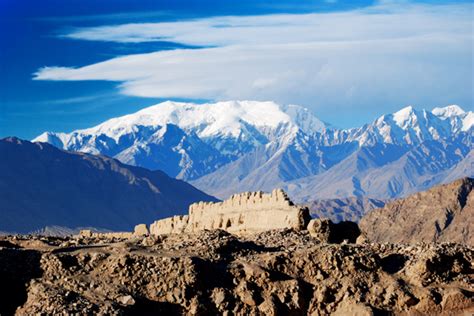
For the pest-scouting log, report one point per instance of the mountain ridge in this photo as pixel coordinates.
(45, 186)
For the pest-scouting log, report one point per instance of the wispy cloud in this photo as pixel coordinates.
(402, 53)
(76, 100)
(110, 17)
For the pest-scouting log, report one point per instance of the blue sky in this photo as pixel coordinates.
(72, 66)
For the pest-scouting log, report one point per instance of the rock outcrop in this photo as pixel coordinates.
(247, 212)
(444, 213)
(279, 272)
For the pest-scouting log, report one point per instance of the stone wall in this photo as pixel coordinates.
(242, 213)
(140, 230)
(119, 235)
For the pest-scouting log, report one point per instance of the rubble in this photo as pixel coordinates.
(277, 272)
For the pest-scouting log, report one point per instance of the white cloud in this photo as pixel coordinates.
(383, 21)
(387, 53)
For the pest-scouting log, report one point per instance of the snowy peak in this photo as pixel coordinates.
(188, 140)
(448, 111)
(409, 126)
(304, 119)
(58, 140)
(224, 119)
(406, 117)
(456, 116)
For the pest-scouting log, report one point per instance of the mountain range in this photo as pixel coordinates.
(41, 185)
(228, 147)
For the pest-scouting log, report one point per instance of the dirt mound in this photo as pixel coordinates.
(281, 272)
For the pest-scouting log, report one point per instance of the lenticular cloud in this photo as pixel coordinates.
(413, 54)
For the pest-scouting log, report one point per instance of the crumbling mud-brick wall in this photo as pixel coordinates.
(139, 231)
(90, 234)
(170, 225)
(247, 212)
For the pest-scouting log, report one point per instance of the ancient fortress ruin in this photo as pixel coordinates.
(247, 212)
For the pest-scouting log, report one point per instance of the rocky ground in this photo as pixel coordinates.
(281, 272)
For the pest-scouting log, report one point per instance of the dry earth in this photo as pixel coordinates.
(281, 272)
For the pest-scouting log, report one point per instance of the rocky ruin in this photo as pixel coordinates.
(248, 212)
(140, 230)
(213, 272)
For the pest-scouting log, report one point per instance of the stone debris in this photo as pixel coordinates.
(213, 272)
(254, 254)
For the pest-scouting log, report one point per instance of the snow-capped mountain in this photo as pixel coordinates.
(405, 127)
(457, 117)
(190, 140)
(228, 147)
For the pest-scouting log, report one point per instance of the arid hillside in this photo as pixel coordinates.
(444, 213)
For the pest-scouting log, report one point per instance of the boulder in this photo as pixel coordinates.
(326, 231)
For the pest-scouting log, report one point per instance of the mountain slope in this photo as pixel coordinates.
(41, 185)
(462, 169)
(443, 213)
(345, 209)
(266, 167)
(386, 171)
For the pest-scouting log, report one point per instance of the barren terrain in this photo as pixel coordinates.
(279, 272)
